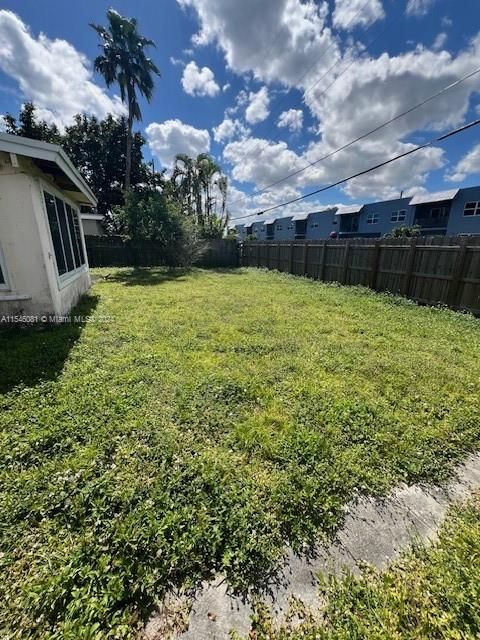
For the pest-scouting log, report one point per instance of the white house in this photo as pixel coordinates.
(43, 261)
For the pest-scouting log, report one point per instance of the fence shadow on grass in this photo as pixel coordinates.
(36, 354)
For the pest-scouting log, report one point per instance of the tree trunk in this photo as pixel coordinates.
(128, 163)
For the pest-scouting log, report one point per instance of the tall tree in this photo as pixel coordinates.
(197, 183)
(124, 62)
(28, 125)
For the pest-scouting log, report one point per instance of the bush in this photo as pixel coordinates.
(153, 217)
(404, 231)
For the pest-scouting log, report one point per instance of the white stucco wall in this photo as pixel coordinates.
(34, 287)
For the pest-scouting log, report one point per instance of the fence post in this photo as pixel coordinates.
(257, 245)
(290, 258)
(278, 257)
(454, 290)
(345, 262)
(305, 258)
(375, 264)
(321, 271)
(409, 267)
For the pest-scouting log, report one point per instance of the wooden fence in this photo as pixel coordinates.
(117, 251)
(428, 270)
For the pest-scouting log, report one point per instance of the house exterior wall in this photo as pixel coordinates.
(33, 286)
(320, 224)
(284, 229)
(458, 223)
(384, 211)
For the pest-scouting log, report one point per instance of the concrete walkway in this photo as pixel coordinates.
(374, 531)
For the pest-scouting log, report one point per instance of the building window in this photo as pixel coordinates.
(399, 216)
(279, 227)
(372, 218)
(438, 212)
(290, 227)
(472, 209)
(314, 225)
(66, 235)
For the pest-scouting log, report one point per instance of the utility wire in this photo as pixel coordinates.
(363, 136)
(362, 173)
(314, 64)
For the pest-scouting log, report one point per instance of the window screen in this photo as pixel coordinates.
(66, 234)
(55, 231)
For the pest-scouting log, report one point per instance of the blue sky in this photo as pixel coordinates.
(269, 87)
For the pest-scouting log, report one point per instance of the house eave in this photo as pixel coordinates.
(44, 152)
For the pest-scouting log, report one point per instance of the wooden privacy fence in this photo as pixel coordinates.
(427, 270)
(117, 251)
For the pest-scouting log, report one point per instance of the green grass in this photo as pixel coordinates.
(214, 418)
(430, 593)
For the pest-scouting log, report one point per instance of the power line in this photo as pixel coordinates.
(362, 173)
(314, 64)
(364, 135)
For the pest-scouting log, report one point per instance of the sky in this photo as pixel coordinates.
(269, 87)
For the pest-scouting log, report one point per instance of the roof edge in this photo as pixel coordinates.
(47, 151)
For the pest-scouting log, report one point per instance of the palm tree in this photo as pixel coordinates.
(124, 61)
(222, 184)
(184, 179)
(206, 170)
(193, 182)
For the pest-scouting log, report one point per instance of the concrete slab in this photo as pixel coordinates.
(374, 531)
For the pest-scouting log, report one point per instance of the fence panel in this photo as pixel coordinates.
(433, 270)
(116, 251)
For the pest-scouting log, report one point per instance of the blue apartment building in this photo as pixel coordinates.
(452, 212)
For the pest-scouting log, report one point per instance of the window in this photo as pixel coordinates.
(314, 225)
(438, 212)
(372, 218)
(398, 216)
(472, 209)
(279, 227)
(66, 234)
(290, 227)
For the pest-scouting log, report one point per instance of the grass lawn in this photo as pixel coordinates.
(212, 418)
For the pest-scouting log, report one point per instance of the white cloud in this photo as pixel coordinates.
(199, 82)
(257, 109)
(177, 62)
(440, 41)
(226, 87)
(167, 139)
(52, 73)
(287, 41)
(468, 165)
(372, 91)
(229, 129)
(260, 161)
(276, 39)
(419, 7)
(351, 13)
(292, 119)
